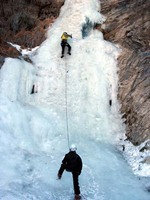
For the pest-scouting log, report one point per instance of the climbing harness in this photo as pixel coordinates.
(66, 104)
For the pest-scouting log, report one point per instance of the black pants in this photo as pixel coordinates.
(63, 45)
(76, 183)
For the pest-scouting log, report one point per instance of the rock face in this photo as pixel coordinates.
(128, 24)
(25, 22)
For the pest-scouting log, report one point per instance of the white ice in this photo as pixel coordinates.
(33, 136)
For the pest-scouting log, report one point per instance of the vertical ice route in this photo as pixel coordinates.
(36, 136)
(92, 83)
(91, 77)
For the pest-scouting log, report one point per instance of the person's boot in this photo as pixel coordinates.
(69, 53)
(77, 197)
(62, 56)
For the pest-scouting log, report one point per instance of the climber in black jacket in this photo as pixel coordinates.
(72, 163)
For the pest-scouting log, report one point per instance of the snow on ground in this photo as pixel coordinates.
(33, 137)
(136, 158)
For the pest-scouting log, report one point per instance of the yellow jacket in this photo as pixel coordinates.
(65, 36)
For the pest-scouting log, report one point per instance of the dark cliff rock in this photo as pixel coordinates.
(25, 23)
(128, 24)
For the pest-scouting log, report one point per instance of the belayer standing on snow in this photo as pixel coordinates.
(64, 43)
(72, 163)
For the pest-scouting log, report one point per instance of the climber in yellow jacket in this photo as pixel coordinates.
(64, 43)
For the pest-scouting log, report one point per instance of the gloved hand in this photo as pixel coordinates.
(59, 176)
(78, 173)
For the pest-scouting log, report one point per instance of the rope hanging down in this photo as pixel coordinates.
(83, 197)
(66, 101)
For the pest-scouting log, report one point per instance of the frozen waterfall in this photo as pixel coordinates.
(33, 137)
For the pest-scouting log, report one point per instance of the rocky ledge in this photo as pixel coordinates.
(25, 23)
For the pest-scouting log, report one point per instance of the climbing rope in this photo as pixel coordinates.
(66, 105)
(83, 197)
